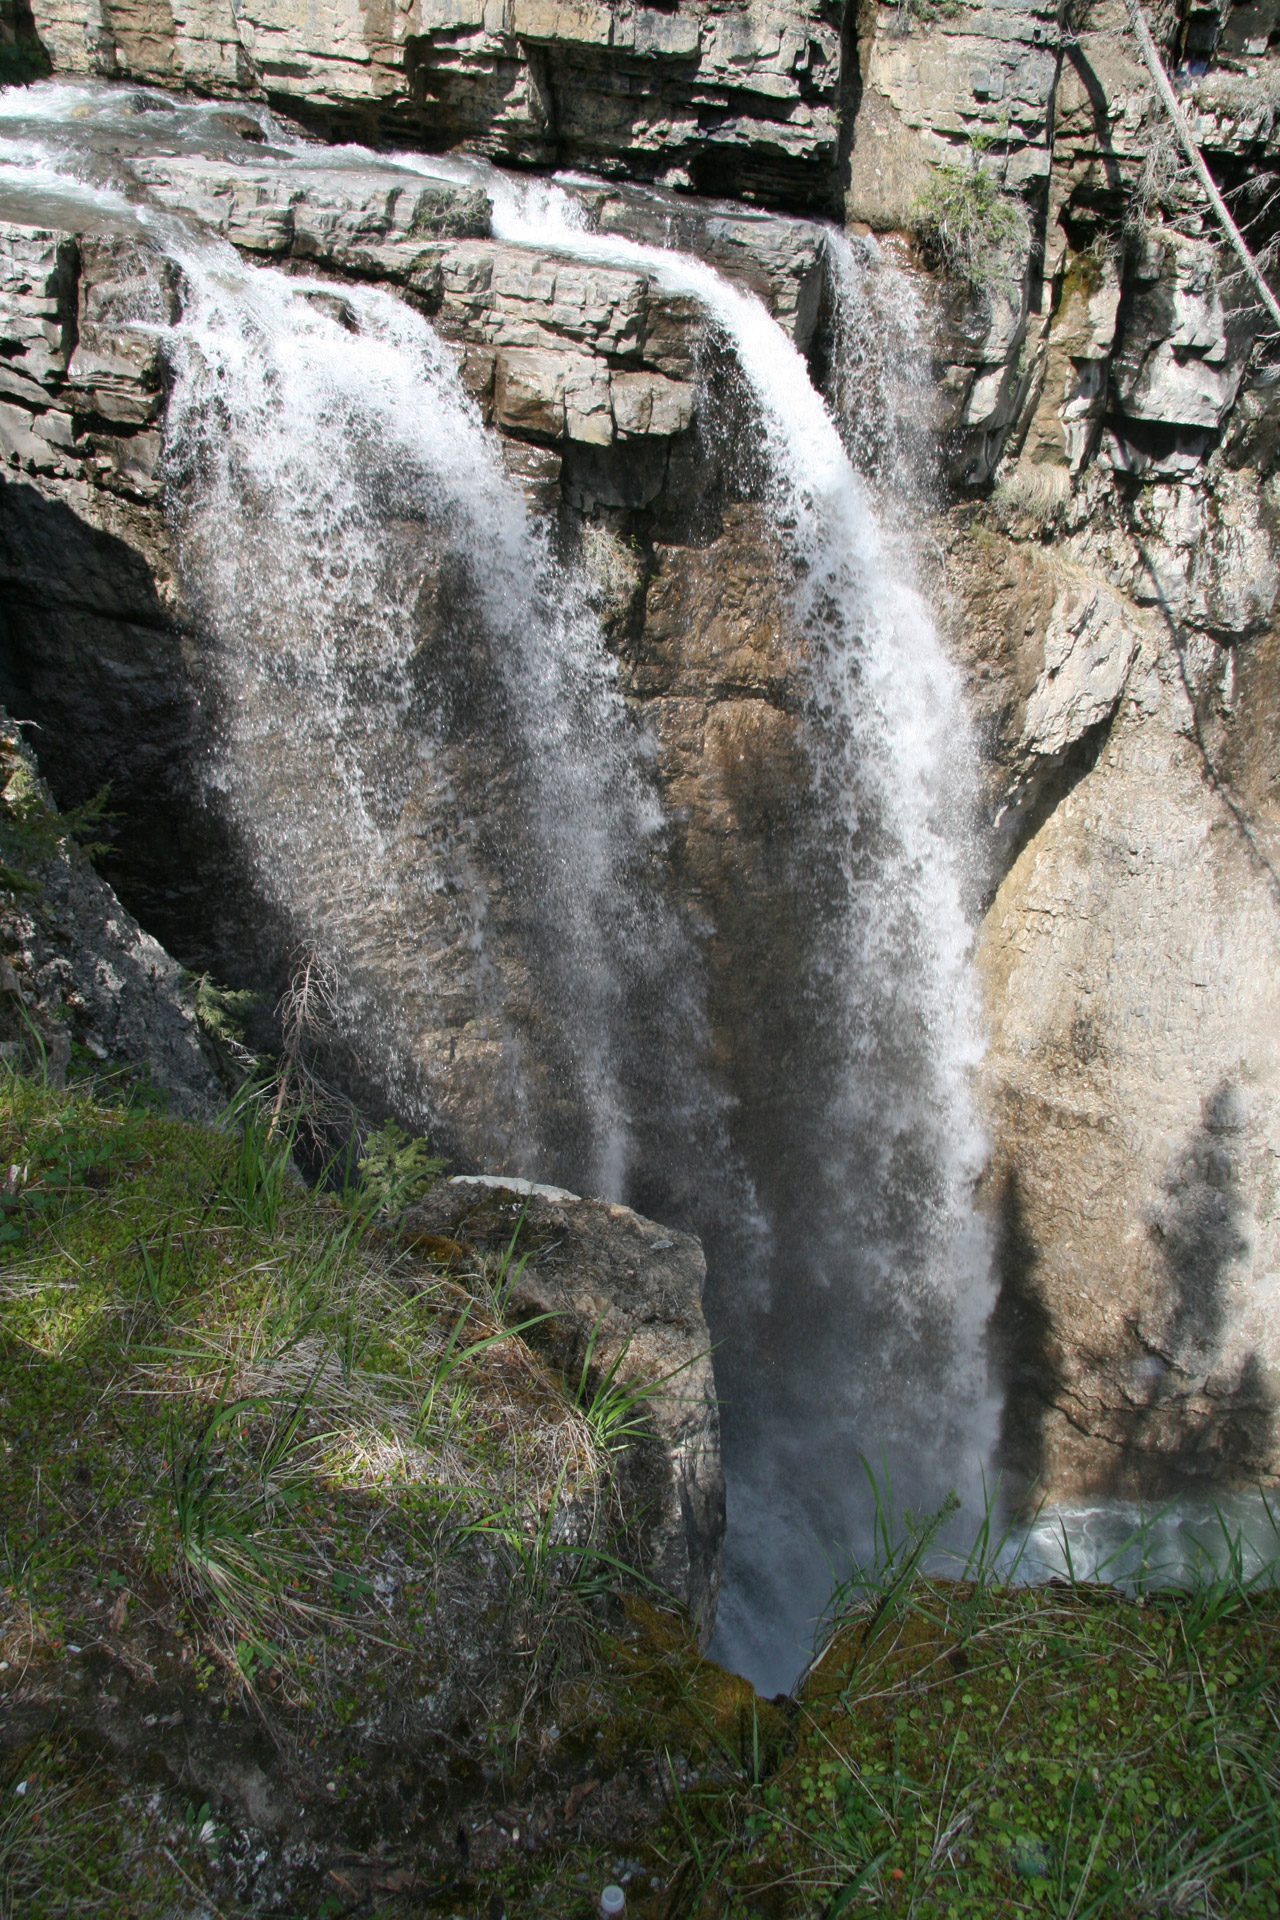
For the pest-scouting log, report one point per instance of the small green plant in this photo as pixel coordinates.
(225, 1013)
(63, 1161)
(32, 831)
(453, 1356)
(264, 1160)
(614, 1408)
(155, 1270)
(396, 1169)
(879, 1587)
(969, 226)
(924, 12)
(507, 1274)
(203, 1829)
(558, 1554)
(225, 1559)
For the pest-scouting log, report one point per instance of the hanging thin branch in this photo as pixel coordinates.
(1155, 65)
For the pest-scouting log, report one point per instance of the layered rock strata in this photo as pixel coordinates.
(700, 94)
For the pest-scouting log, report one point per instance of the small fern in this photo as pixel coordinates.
(32, 831)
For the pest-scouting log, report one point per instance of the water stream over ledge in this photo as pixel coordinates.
(435, 784)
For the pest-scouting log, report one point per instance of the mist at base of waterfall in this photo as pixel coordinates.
(1178, 1542)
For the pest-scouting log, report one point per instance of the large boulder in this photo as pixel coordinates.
(624, 1297)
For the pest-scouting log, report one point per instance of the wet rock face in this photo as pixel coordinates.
(597, 382)
(623, 1298)
(715, 97)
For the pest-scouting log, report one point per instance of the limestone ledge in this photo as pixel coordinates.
(555, 351)
(694, 90)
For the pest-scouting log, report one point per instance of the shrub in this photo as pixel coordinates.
(965, 221)
(32, 831)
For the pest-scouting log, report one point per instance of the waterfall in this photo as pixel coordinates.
(878, 1288)
(350, 537)
(380, 618)
(374, 603)
(880, 384)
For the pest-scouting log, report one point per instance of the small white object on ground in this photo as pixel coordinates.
(613, 1903)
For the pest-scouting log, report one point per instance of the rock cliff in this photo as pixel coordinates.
(706, 95)
(1106, 415)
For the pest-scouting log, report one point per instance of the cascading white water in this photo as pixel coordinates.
(304, 448)
(879, 382)
(377, 602)
(896, 1262)
(326, 472)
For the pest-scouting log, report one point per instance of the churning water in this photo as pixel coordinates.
(382, 616)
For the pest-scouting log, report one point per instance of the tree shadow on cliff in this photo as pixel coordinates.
(1100, 110)
(1176, 1432)
(1215, 772)
(1020, 1346)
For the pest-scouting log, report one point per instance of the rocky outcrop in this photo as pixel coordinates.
(712, 96)
(622, 1300)
(1130, 961)
(1047, 646)
(934, 78)
(76, 969)
(1110, 604)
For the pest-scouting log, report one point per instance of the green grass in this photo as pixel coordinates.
(248, 1442)
(257, 1451)
(961, 1748)
(202, 1346)
(76, 1838)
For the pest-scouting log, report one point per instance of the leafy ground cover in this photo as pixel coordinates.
(308, 1606)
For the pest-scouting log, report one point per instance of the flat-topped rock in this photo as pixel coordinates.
(316, 211)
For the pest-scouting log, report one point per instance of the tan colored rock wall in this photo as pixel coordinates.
(1133, 1073)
